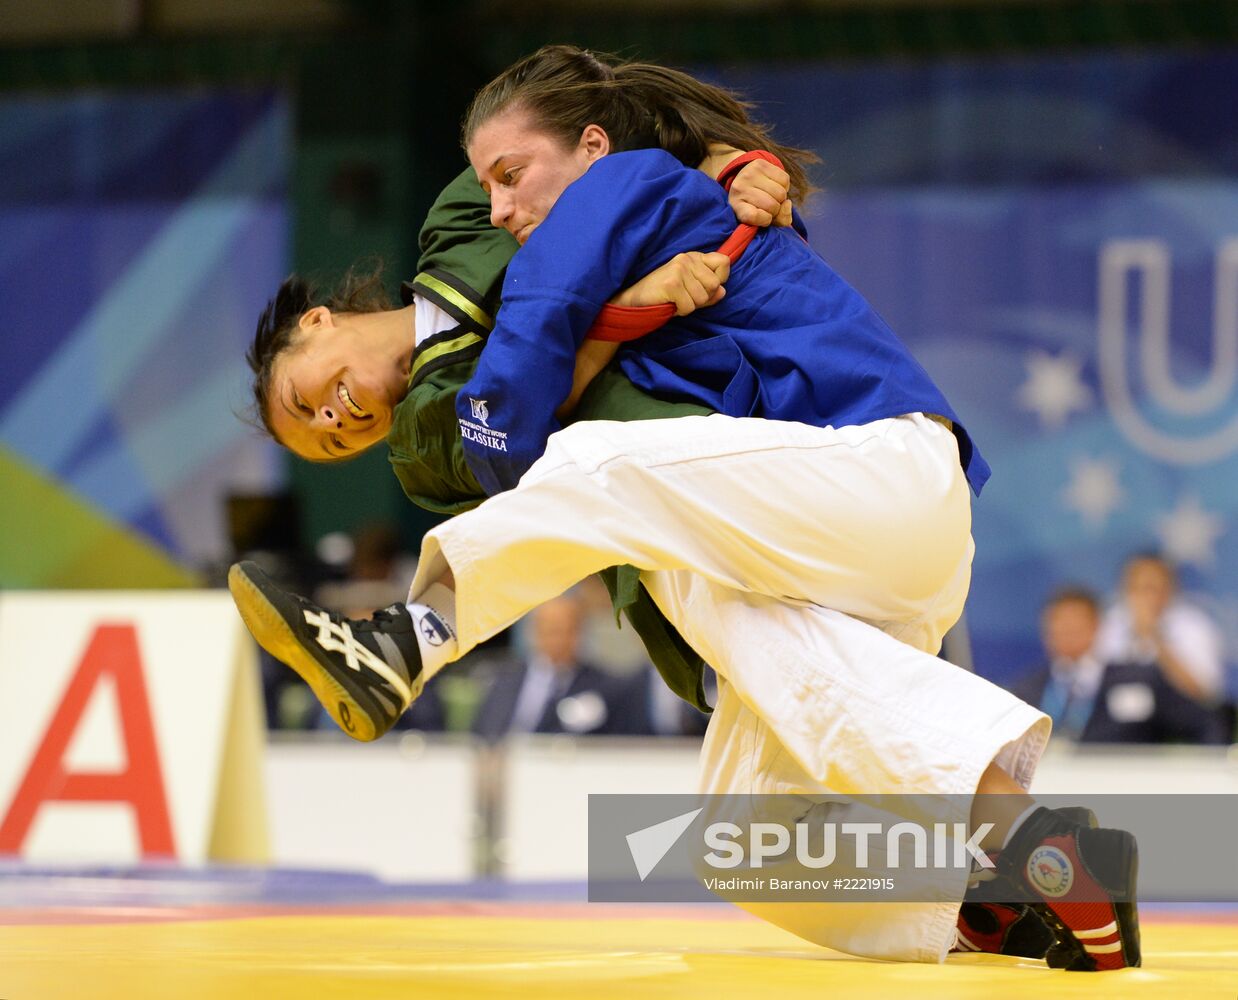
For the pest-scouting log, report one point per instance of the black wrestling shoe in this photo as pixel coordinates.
(365, 673)
(1081, 882)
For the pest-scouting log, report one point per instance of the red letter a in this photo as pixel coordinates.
(113, 649)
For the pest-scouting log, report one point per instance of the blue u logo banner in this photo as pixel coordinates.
(1057, 241)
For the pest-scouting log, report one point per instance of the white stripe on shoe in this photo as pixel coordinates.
(339, 639)
(1109, 928)
(1102, 949)
(964, 943)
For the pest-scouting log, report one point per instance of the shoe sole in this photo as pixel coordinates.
(273, 634)
(1128, 912)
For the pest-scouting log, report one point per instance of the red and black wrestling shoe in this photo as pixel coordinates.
(988, 923)
(1081, 882)
(1003, 929)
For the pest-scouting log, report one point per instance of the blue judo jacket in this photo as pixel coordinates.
(791, 340)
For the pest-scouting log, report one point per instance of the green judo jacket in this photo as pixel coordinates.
(463, 259)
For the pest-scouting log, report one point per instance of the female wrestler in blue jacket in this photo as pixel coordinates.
(791, 340)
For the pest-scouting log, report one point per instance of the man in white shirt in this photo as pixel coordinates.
(1171, 652)
(552, 691)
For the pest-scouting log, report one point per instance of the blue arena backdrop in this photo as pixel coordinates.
(1057, 240)
(142, 234)
(977, 204)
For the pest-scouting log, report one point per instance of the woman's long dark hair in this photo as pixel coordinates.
(640, 105)
(361, 290)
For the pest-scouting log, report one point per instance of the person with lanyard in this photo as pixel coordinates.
(810, 538)
(1065, 687)
(551, 688)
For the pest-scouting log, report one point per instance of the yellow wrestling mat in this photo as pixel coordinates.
(547, 951)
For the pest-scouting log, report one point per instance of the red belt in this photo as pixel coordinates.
(618, 324)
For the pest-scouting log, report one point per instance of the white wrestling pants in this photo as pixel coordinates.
(816, 569)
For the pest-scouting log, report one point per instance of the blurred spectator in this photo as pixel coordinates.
(645, 706)
(1065, 686)
(376, 573)
(605, 643)
(551, 691)
(1164, 666)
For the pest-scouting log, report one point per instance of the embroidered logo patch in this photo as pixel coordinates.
(433, 629)
(479, 411)
(1050, 871)
(484, 436)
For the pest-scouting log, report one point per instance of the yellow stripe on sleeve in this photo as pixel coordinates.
(444, 290)
(423, 358)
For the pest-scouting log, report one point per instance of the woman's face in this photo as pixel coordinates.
(524, 170)
(330, 398)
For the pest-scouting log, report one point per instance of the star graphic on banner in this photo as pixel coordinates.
(1189, 533)
(1054, 387)
(1094, 490)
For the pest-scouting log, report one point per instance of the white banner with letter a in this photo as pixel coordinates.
(130, 729)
